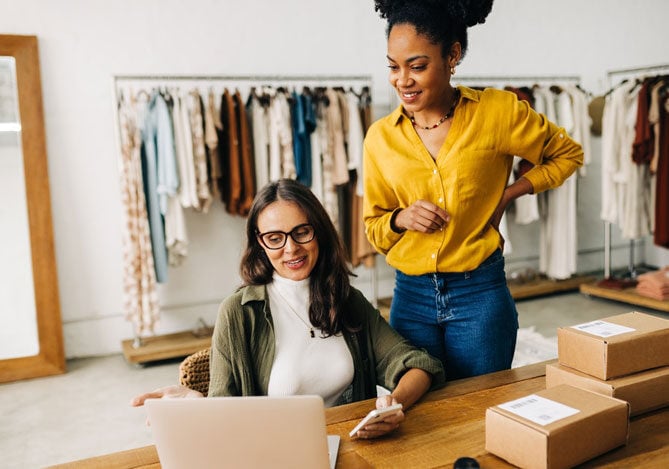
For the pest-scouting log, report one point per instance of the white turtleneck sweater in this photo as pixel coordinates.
(302, 364)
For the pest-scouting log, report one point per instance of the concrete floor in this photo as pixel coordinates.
(85, 412)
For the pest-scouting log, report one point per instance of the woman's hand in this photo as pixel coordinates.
(168, 392)
(519, 188)
(386, 425)
(422, 216)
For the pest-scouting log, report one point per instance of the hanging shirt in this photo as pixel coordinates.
(339, 169)
(318, 147)
(354, 139)
(558, 240)
(260, 131)
(176, 238)
(281, 157)
(329, 199)
(247, 173)
(635, 193)
(183, 143)
(232, 184)
(212, 127)
(301, 146)
(159, 173)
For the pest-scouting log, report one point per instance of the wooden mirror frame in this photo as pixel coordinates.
(50, 358)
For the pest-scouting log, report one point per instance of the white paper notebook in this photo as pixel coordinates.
(241, 432)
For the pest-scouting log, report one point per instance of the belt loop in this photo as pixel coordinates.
(468, 274)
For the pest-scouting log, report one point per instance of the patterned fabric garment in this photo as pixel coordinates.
(212, 124)
(199, 150)
(281, 125)
(140, 297)
(329, 194)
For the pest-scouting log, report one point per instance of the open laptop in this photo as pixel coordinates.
(241, 432)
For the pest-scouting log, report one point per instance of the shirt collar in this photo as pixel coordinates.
(465, 93)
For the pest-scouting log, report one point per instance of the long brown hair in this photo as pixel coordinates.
(330, 278)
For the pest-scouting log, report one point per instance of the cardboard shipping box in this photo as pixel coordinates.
(615, 346)
(645, 391)
(556, 428)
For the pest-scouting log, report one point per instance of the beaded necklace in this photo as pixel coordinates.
(456, 97)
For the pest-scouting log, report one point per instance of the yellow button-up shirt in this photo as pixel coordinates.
(467, 179)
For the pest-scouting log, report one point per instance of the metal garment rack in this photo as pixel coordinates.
(518, 80)
(139, 81)
(209, 81)
(615, 77)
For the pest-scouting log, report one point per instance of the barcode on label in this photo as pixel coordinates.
(591, 324)
(524, 403)
(603, 328)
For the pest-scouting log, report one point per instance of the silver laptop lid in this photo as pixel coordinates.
(239, 432)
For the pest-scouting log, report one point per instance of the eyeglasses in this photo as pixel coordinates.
(301, 234)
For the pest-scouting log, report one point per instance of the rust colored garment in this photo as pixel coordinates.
(231, 186)
(246, 157)
(661, 235)
(642, 148)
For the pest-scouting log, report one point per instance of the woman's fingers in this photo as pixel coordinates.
(424, 216)
(139, 400)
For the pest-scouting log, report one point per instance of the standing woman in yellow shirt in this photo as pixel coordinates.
(435, 183)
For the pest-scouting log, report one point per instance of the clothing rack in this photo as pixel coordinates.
(620, 75)
(142, 350)
(246, 80)
(626, 295)
(519, 79)
(263, 78)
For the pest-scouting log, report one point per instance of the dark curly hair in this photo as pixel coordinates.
(444, 22)
(329, 281)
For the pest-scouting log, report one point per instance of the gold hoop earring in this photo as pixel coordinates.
(452, 70)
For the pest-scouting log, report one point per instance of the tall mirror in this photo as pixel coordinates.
(31, 336)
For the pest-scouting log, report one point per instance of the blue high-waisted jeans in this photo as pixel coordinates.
(468, 320)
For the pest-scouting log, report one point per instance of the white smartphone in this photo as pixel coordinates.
(376, 414)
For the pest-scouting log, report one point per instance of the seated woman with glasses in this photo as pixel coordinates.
(297, 326)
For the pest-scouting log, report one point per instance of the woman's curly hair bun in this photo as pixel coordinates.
(466, 12)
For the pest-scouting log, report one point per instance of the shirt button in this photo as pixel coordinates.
(441, 200)
(434, 256)
(561, 135)
(434, 171)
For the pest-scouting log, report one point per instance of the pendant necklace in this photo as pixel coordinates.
(456, 97)
(309, 326)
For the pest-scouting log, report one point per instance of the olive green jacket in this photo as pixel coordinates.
(243, 347)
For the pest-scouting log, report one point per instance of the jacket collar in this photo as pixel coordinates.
(254, 293)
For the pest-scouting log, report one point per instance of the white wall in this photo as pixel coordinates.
(84, 43)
